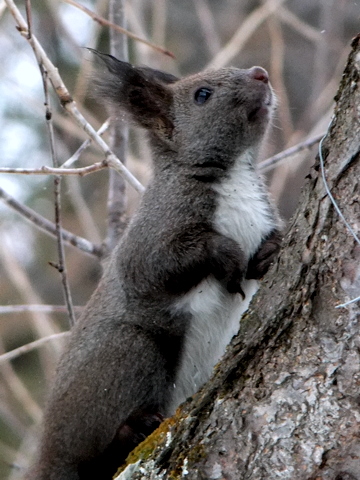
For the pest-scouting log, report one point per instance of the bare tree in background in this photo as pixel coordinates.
(283, 403)
(119, 134)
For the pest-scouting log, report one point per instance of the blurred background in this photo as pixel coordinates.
(304, 46)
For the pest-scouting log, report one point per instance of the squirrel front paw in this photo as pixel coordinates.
(233, 285)
(260, 262)
(228, 263)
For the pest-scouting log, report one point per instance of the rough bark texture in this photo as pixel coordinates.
(285, 401)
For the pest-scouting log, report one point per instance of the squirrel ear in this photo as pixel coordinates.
(140, 91)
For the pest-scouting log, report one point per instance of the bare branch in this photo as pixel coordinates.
(40, 323)
(102, 21)
(270, 162)
(112, 160)
(82, 147)
(244, 32)
(119, 133)
(66, 100)
(45, 170)
(61, 265)
(31, 346)
(82, 210)
(18, 389)
(207, 24)
(48, 227)
(159, 19)
(6, 309)
(305, 29)
(277, 64)
(8, 452)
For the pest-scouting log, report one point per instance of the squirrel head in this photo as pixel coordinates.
(220, 112)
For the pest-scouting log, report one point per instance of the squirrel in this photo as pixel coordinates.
(173, 291)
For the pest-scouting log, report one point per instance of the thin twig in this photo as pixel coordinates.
(159, 18)
(75, 157)
(277, 61)
(25, 287)
(270, 162)
(111, 158)
(328, 191)
(135, 20)
(13, 382)
(6, 309)
(102, 21)
(54, 10)
(31, 346)
(48, 227)
(61, 265)
(28, 16)
(82, 209)
(66, 100)
(208, 27)
(7, 452)
(322, 53)
(119, 132)
(85, 67)
(45, 170)
(10, 418)
(244, 32)
(337, 209)
(305, 29)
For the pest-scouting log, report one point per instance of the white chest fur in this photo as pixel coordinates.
(243, 211)
(243, 214)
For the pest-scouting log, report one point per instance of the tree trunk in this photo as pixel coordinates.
(284, 401)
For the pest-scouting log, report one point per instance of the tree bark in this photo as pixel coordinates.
(284, 401)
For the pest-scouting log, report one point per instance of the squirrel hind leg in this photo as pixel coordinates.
(137, 428)
(128, 436)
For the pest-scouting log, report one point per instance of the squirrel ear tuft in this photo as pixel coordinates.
(141, 92)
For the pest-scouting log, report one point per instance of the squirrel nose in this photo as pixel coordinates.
(258, 73)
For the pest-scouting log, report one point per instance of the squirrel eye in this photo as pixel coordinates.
(202, 94)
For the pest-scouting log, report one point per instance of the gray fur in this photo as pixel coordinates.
(173, 291)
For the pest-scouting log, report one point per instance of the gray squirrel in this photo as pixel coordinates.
(172, 294)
